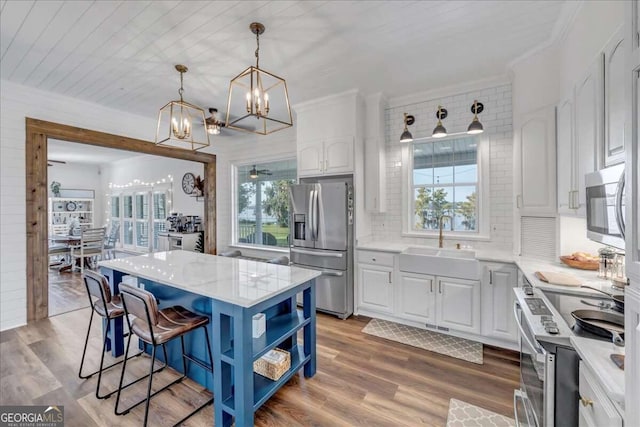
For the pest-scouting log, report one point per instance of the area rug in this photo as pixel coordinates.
(463, 414)
(459, 348)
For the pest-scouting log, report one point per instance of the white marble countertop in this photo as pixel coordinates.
(397, 247)
(236, 281)
(595, 354)
(528, 266)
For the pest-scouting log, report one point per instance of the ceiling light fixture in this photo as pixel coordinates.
(212, 123)
(476, 127)
(406, 135)
(256, 93)
(178, 118)
(253, 173)
(439, 131)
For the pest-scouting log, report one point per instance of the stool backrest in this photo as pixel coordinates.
(140, 303)
(98, 287)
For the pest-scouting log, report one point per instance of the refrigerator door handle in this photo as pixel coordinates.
(310, 214)
(322, 254)
(315, 214)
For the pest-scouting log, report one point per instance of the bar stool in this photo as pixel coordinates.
(108, 307)
(157, 327)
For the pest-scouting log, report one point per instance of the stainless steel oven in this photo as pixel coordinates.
(605, 206)
(534, 402)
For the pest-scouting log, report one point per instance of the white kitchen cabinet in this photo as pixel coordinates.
(588, 125)
(614, 99)
(594, 407)
(498, 281)
(417, 297)
(331, 156)
(375, 281)
(535, 153)
(458, 304)
(564, 151)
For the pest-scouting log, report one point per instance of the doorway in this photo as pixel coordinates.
(38, 132)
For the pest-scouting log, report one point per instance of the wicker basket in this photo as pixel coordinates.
(274, 364)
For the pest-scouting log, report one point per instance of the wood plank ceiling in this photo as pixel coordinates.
(121, 53)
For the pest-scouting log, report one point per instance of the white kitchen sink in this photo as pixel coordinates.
(457, 263)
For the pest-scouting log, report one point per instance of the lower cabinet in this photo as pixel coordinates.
(441, 301)
(498, 281)
(458, 304)
(376, 287)
(594, 407)
(417, 300)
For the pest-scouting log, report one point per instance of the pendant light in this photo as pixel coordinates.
(476, 127)
(258, 100)
(406, 135)
(439, 131)
(177, 118)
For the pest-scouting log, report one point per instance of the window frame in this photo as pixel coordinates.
(234, 201)
(484, 213)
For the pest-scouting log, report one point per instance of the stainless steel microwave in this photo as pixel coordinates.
(605, 206)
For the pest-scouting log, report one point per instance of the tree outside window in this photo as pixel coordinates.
(445, 182)
(262, 203)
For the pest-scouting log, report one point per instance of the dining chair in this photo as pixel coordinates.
(91, 245)
(111, 239)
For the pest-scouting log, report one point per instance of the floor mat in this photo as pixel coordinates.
(463, 414)
(460, 348)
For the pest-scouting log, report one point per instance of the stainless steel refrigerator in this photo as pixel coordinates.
(321, 226)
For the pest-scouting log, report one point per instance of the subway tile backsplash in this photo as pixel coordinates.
(497, 121)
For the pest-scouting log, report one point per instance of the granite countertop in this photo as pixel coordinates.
(595, 354)
(237, 281)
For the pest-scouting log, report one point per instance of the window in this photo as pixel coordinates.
(445, 179)
(127, 224)
(262, 203)
(159, 215)
(141, 212)
(142, 220)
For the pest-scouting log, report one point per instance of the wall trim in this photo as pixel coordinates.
(37, 132)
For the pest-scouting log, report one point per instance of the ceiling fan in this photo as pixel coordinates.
(254, 173)
(213, 124)
(51, 162)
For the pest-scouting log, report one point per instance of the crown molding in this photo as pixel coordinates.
(559, 32)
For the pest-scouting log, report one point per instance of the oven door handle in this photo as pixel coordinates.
(539, 352)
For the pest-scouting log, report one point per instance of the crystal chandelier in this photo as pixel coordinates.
(258, 100)
(176, 122)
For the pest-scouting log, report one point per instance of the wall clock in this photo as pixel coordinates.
(188, 183)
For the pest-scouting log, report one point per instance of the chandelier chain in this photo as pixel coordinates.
(181, 90)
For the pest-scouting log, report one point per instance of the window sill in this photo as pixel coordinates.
(449, 236)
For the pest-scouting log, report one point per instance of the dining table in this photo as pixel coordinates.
(230, 292)
(70, 241)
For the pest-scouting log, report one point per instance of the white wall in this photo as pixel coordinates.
(151, 169)
(497, 122)
(16, 103)
(80, 176)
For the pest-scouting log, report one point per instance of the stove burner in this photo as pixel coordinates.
(537, 307)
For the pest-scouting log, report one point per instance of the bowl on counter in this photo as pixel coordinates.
(582, 265)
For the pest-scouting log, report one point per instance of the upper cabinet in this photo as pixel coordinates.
(325, 157)
(326, 130)
(375, 155)
(535, 153)
(564, 151)
(614, 99)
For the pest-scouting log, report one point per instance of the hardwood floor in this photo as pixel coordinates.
(66, 292)
(361, 380)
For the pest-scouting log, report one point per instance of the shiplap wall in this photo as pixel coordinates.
(16, 103)
(497, 121)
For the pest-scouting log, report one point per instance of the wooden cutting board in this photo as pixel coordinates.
(558, 278)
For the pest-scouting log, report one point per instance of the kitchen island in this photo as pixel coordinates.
(230, 292)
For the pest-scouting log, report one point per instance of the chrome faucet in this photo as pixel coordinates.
(441, 237)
